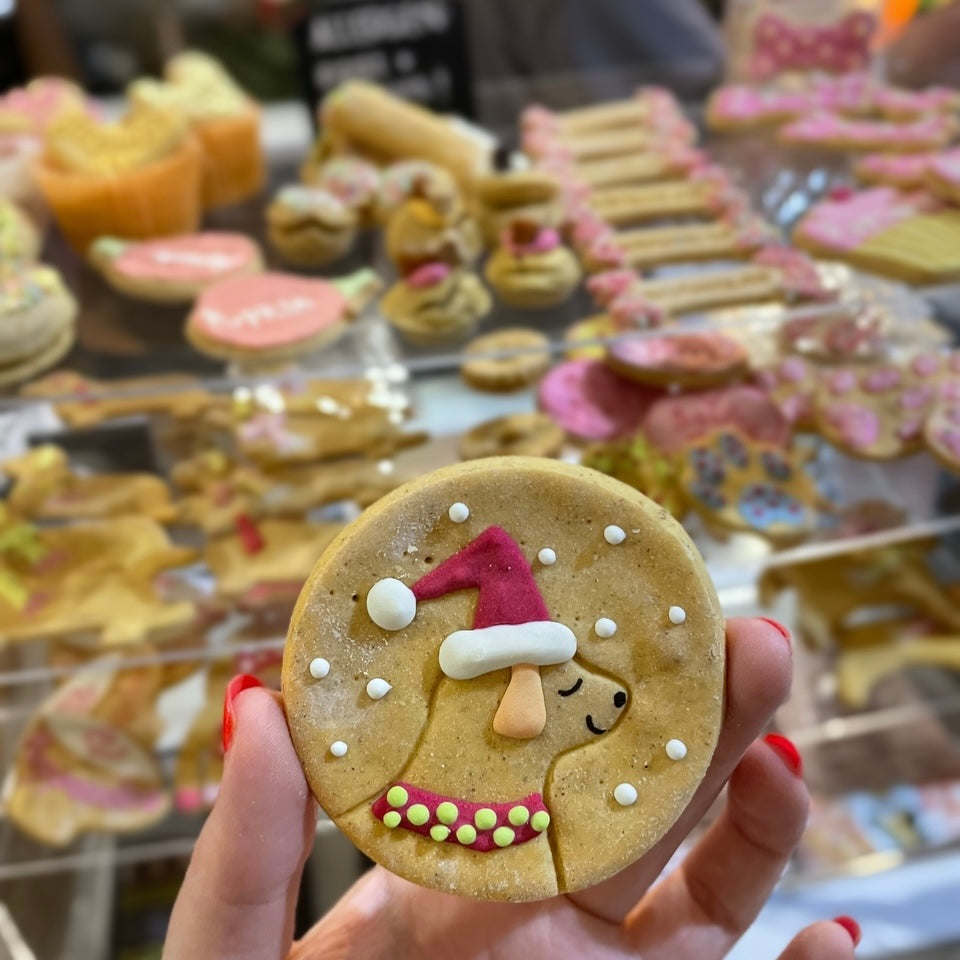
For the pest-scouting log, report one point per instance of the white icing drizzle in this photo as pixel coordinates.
(469, 653)
(614, 534)
(605, 627)
(378, 688)
(677, 615)
(458, 512)
(625, 794)
(391, 604)
(547, 556)
(676, 749)
(319, 668)
(338, 748)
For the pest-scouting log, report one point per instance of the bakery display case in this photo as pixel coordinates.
(224, 337)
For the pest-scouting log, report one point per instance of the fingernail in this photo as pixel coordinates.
(787, 752)
(241, 682)
(779, 627)
(851, 926)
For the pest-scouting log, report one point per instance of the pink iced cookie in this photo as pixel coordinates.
(833, 130)
(673, 423)
(271, 315)
(943, 175)
(905, 104)
(690, 359)
(591, 402)
(175, 268)
(906, 171)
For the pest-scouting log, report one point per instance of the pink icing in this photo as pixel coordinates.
(841, 381)
(946, 166)
(195, 257)
(949, 439)
(926, 365)
(429, 275)
(917, 398)
(903, 167)
(547, 239)
(607, 252)
(674, 422)
(32, 107)
(796, 406)
(606, 287)
(591, 402)
(799, 275)
(859, 426)
(826, 127)
(271, 309)
(632, 309)
(793, 370)
(587, 228)
(899, 102)
(693, 352)
(354, 182)
(883, 380)
(781, 45)
(846, 224)
(910, 428)
(950, 390)
(537, 117)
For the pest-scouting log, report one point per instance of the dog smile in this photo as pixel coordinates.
(592, 727)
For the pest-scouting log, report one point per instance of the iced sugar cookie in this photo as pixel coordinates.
(174, 269)
(842, 133)
(483, 701)
(909, 236)
(591, 402)
(693, 360)
(943, 175)
(274, 316)
(905, 171)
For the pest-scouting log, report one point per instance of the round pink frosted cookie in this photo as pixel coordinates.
(672, 423)
(690, 359)
(273, 315)
(591, 402)
(175, 268)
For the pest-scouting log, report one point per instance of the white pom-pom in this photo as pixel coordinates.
(391, 604)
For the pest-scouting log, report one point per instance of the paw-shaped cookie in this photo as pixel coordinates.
(738, 484)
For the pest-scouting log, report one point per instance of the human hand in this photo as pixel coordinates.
(240, 891)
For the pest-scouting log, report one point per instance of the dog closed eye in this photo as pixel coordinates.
(573, 689)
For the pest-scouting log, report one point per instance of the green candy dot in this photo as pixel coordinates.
(466, 834)
(439, 832)
(397, 796)
(418, 814)
(540, 821)
(391, 819)
(447, 812)
(503, 836)
(485, 819)
(518, 816)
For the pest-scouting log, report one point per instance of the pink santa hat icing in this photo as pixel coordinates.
(511, 622)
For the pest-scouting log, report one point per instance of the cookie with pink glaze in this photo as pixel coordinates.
(841, 336)
(275, 317)
(900, 104)
(691, 360)
(943, 175)
(792, 384)
(591, 402)
(909, 236)
(905, 171)
(673, 423)
(174, 269)
(836, 132)
(877, 412)
(531, 268)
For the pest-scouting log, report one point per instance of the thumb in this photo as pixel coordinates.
(240, 890)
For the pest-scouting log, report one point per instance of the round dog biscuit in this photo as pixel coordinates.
(506, 360)
(546, 632)
(516, 434)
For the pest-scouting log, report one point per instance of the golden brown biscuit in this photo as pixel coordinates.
(569, 714)
(514, 435)
(506, 360)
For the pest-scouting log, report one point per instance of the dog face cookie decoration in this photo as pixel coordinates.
(505, 680)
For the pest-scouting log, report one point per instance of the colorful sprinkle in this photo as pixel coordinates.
(418, 814)
(518, 815)
(391, 819)
(397, 796)
(540, 821)
(485, 819)
(446, 813)
(439, 832)
(503, 836)
(466, 834)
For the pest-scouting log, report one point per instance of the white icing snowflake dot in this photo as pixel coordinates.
(319, 668)
(625, 794)
(378, 688)
(614, 534)
(391, 604)
(677, 615)
(605, 627)
(547, 556)
(676, 749)
(338, 748)
(458, 512)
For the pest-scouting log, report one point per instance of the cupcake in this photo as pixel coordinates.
(353, 181)
(134, 179)
(309, 226)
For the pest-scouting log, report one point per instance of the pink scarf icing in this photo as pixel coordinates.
(824, 127)
(547, 239)
(429, 275)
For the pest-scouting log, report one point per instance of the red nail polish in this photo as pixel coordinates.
(786, 751)
(241, 682)
(779, 627)
(851, 926)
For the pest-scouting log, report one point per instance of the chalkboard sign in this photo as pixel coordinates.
(415, 48)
